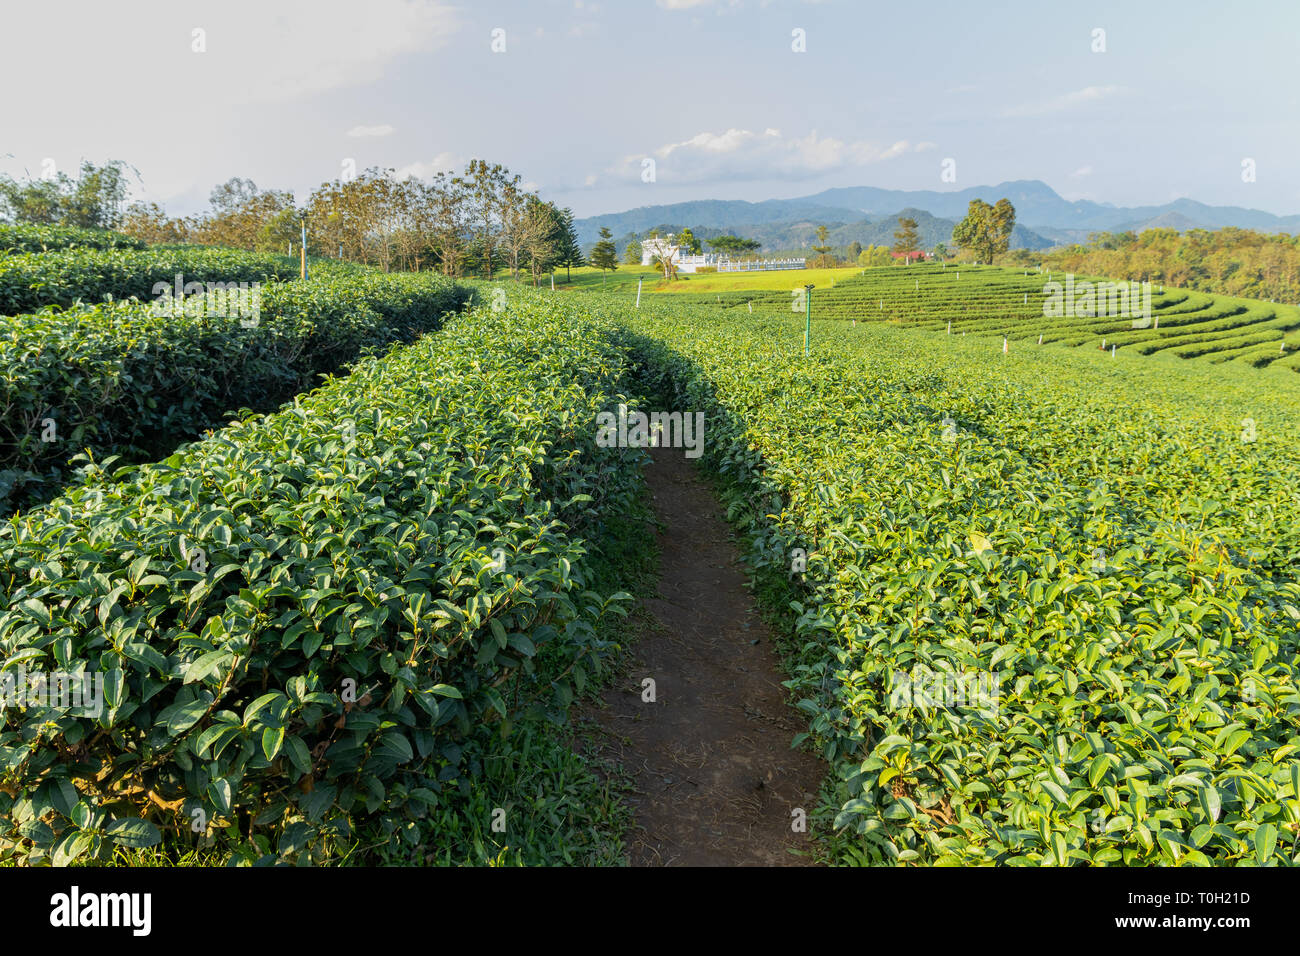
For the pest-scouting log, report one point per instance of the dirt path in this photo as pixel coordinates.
(716, 781)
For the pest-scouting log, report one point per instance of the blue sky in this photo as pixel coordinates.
(711, 90)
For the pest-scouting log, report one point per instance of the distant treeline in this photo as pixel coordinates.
(474, 223)
(1230, 261)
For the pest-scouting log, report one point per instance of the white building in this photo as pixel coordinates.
(652, 248)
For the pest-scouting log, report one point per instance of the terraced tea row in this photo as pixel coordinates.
(29, 281)
(301, 621)
(28, 238)
(1000, 302)
(120, 380)
(1047, 606)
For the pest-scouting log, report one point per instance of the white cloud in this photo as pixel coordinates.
(445, 162)
(365, 131)
(1066, 101)
(741, 154)
(1081, 172)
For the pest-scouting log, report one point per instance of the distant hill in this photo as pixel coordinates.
(800, 235)
(868, 214)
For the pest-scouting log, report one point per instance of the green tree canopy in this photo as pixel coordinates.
(568, 252)
(823, 250)
(686, 241)
(734, 245)
(986, 230)
(94, 200)
(603, 255)
(906, 237)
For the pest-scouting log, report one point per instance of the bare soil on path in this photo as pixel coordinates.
(716, 782)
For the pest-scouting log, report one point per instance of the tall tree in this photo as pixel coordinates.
(543, 233)
(487, 183)
(512, 212)
(686, 241)
(906, 237)
(986, 230)
(603, 254)
(823, 250)
(94, 200)
(568, 249)
(632, 254)
(148, 222)
(663, 254)
(734, 245)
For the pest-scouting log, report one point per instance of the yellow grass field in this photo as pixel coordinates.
(735, 281)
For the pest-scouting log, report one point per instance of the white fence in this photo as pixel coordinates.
(725, 264)
(760, 265)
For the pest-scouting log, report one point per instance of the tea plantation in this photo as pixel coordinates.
(1040, 606)
(998, 301)
(1114, 543)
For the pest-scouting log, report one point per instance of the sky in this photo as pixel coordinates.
(1131, 103)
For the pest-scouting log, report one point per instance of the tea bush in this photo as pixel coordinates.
(116, 379)
(302, 618)
(1000, 301)
(31, 280)
(1116, 543)
(28, 238)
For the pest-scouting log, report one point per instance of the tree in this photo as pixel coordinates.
(689, 245)
(603, 255)
(568, 250)
(986, 230)
(244, 217)
(734, 245)
(906, 238)
(940, 251)
(875, 256)
(450, 213)
(512, 213)
(663, 256)
(632, 254)
(94, 200)
(855, 250)
(823, 250)
(486, 184)
(543, 232)
(149, 223)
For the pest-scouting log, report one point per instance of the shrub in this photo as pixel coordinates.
(116, 379)
(301, 619)
(25, 238)
(32, 280)
(1106, 543)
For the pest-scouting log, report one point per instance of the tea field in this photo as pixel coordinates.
(344, 571)
(1005, 302)
(1111, 545)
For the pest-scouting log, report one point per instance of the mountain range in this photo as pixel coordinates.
(869, 215)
